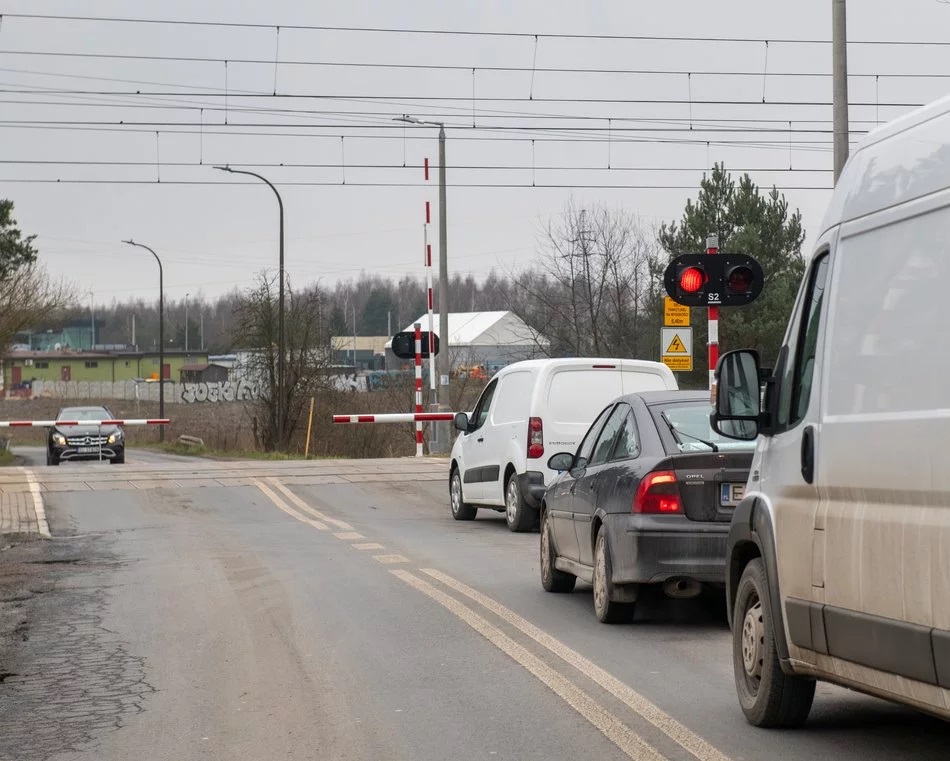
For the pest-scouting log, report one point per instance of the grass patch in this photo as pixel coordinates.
(7, 458)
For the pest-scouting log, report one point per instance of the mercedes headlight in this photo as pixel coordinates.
(58, 439)
(115, 438)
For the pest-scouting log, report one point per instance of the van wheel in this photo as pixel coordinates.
(520, 517)
(769, 697)
(607, 611)
(552, 579)
(461, 511)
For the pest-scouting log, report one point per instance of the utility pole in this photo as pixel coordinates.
(839, 55)
(202, 320)
(186, 323)
(92, 324)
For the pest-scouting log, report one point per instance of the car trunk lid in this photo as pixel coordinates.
(710, 483)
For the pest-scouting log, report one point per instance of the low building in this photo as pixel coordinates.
(205, 372)
(21, 368)
(369, 354)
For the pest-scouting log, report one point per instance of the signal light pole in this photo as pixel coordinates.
(712, 248)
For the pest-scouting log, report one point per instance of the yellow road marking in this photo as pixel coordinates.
(673, 729)
(342, 525)
(613, 729)
(279, 503)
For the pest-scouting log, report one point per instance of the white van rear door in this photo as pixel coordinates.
(575, 396)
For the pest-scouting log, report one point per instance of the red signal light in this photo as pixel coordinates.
(739, 279)
(692, 279)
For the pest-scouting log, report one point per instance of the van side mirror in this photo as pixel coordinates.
(561, 461)
(737, 408)
(461, 421)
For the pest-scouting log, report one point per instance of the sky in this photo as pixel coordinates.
(119, 139)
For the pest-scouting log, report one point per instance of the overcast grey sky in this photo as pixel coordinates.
(216, 237)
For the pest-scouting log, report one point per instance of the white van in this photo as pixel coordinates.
(527, 412)
(838, 565)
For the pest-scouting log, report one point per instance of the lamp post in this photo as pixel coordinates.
(92, 320)
(442, 360)
(161, 336)
(281, 351)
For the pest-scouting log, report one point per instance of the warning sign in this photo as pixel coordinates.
(677, 348)
(675, 315)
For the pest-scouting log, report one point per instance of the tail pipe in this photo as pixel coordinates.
(681, 587)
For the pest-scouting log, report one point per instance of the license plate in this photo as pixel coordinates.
(731, 494)
(87, 450)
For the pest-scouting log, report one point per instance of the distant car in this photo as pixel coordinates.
(88, 439)
(647, 498)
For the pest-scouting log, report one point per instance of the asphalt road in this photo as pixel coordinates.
(334, 610)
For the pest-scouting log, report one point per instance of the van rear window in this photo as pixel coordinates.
(576, 396)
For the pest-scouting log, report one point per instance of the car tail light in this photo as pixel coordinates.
(535, 438)
(658, 494)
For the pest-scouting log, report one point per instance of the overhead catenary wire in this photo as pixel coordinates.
(459, 32)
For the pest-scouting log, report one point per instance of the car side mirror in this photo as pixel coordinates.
(561, 461)
(461, 421)
(737, 406)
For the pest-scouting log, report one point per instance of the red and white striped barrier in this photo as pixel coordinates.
(55, 423)
(396, 417)
(418, 328)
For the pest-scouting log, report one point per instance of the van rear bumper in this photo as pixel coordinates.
(532, 488)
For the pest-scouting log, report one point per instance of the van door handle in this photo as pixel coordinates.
(480, 439)
(808, 454)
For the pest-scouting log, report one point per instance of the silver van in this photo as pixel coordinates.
(838, 565)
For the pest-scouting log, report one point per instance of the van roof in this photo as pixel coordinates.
(626, 364)
(904, 159)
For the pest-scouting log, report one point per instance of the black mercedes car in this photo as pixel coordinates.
(80, 435)
(646, 499)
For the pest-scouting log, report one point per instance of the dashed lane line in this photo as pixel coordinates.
(368, 546)
(349, 536)
(390, 559)
(673, 729)
(628, 741)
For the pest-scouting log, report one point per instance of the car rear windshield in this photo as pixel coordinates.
(85, 413)
(691, 429)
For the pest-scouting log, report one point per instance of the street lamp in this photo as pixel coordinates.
(92, 316)
(442, 360)
(280, 305)
(161, 337)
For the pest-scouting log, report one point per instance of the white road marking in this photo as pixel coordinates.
(617, 732)
(342, 525)
(349, 535)
(38, 506)
(280, 504)
(390, 559)
(368, 546)
(673, 729)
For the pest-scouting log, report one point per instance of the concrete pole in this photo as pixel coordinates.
(839, 46)
(444, 347)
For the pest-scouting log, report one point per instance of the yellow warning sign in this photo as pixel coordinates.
(676, 346)
(679, 364)
(675, 315)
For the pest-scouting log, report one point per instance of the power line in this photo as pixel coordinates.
(348, 184)
(457, 32)
(462, 67)
(468, 98)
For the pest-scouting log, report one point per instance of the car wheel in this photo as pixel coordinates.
(51, 459)
(769, 697)
(552, 579)
(608, 611)
(520, 517)
(461, 511)
(118, 460)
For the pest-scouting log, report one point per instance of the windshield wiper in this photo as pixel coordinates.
(677, 434)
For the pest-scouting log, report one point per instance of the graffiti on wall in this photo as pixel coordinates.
(220, 391)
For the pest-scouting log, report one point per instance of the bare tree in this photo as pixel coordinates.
(28, 296)
(309, 354)
(590, 286)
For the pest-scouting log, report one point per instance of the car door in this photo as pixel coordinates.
(783, 468)
(561, 502)
(592, 482)
(476, 466)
